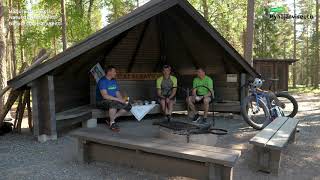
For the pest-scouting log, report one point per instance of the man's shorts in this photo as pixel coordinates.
(107, 104)
(201, 101)
(174, 99)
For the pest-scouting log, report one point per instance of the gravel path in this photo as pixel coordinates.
(21, 157)
(300, 161)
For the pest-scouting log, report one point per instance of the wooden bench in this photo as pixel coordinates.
(269, 143)
(76, 115)
(157, 155)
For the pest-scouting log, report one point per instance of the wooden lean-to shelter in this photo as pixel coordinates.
(138, 44)
(276, 70)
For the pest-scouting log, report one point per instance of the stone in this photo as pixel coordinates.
(90, 123)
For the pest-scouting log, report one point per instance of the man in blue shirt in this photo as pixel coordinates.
(108, 97)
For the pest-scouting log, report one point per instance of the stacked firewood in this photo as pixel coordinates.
(22, 95)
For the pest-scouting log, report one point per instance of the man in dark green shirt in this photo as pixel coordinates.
(202, 92)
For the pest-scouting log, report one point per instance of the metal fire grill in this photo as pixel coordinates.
(178, 127)
(183, 128)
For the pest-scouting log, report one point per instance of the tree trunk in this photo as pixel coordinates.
(55, 45)
(90, 10)
(294, 72)
(3, 69)
(204, 4)
(307, 60)
(249, 34)
(316, 67)
(20, 34)
(8, 56)
(115, 10)
(64, 25)
(13, 45)
(90, 13)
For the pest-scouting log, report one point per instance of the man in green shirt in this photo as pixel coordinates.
(166, 91)
(201, 93)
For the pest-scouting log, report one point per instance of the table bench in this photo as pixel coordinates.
(270, 142)
(157, 155)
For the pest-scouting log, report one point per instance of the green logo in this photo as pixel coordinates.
(277, 9)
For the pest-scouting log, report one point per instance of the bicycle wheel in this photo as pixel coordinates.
(291, 104)
(255, 114)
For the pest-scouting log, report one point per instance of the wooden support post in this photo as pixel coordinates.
(243, 89)
(21, 110)
(220, 172)
(266, 160)
(52, 105)
(82, 154)
(293, 136)
(35, 109)
(17, 110)
(43, 104)
(29, 111)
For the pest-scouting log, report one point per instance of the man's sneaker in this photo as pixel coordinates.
(196, 118)
(203, 121)
(169, 118)
(213, 123)
(204, 124)
(114, 127)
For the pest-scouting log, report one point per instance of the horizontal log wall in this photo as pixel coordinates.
(146, 89)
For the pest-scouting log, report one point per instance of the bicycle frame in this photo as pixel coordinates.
(262, 95)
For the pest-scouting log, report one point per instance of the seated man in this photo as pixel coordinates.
(108, 97)
(166, 90)
(201, 93)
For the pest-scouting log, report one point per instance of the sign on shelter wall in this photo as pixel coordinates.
(138, 76)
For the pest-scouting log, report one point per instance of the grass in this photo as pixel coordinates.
(303, 89)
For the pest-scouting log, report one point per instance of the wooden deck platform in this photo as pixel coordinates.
(157, 155)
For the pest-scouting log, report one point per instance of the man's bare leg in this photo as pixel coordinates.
(206, 102)
(121, 112)
(112, 114)
(190, 101)
(170, 107)
(163, 106)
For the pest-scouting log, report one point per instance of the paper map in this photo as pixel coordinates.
(141, 110)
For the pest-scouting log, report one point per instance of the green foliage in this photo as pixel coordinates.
(119, 8)
(228, 17)
(273, 38)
